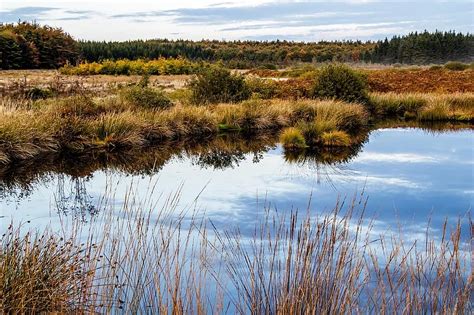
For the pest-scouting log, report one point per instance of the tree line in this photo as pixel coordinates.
(235, 54)
(28, 45)
(423, 48)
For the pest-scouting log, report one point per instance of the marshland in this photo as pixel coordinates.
(172, 183)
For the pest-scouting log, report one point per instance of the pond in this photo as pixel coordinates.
(410, 176)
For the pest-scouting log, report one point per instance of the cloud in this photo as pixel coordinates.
(365, 157)
(141, 14)
(45, 13)
(24, 14)
(259, 19)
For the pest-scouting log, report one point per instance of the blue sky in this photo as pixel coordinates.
(244, 19)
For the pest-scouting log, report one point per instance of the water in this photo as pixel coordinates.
(410, 176)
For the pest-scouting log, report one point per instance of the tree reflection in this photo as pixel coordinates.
(72, 198)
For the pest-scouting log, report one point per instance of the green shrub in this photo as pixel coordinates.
(146, 97)
(456, 66)
(216, 84)
(338, 81)
(292, 139)
(436, 67)
(262, 88)
(37, 93)
(268, 66)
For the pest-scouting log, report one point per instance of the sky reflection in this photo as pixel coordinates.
(409, 176)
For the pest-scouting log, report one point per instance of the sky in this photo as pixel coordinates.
(242, 19)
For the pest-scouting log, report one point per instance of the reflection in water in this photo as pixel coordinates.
(223, 152)
(74, 200)
(406, 171)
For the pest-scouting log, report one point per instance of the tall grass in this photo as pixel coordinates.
(434, 107)
(42, 273)
(78, 124)
(81, 124)
(149, 258)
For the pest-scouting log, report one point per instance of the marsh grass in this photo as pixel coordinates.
(82, 123)
(433, 107)
(147, 257)
(43, 273)
(292, 139)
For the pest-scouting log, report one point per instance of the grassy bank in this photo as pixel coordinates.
(30, 129)
(80, 124)
(137, 260)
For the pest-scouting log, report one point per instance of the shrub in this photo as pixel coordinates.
(292, 139)
(217, 84)
(140, 66)
(82, 106)
(262, 88)
(36, 93)
(336, 138)
(146, 97)
(339, 81)
(456, 66)
(436, 67)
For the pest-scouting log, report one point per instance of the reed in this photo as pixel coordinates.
(146, 257)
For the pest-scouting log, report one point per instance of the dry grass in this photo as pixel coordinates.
(81, 124)
(425, 106)
(148, 259)
(421, 81)
(12, 82)
(43, 273)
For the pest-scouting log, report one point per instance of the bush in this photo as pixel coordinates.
(262, 88)
(436, 68)
(217, 84)
(456, 66)
(146, 97)
(292, 139)
(37, 93)
(339, 81)
(82, 106)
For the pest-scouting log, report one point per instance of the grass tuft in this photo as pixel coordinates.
(336, 139)
(292, 139)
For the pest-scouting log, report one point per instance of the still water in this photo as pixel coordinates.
(410, 176)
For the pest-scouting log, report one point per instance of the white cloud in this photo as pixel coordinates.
(365, 157)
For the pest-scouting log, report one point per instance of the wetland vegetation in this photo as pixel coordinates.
(107, 110)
